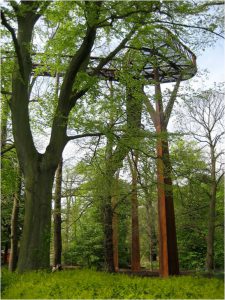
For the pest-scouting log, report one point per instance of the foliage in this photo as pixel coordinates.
(191, 193)
(9, 172)
(85, 245)
(87, 284)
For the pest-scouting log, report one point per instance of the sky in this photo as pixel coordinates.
(213, 59)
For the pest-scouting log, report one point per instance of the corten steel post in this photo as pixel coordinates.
(168, 253)
(115, 224)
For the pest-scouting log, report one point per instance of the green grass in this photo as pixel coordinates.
(88, 284)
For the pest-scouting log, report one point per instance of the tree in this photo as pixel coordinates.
(17, 188)
(205, 122)
(86, 242)
(190, 187)
(39, 168)
(135, 241)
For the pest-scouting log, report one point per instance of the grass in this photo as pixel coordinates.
(88, 284)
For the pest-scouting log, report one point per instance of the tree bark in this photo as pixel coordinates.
(14, 225)
(57, 216)
(212, 215)
(35, 242)
(135, 249)
(115, 224)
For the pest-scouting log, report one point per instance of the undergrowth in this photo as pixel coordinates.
(88, 284)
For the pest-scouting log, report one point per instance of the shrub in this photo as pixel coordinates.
(89, 284)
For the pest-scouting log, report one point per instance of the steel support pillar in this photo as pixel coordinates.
(168, 253)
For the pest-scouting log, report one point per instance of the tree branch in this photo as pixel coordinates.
(7, 149)
(15, 42)
(101, 64)
(78, 59)
(14, 5)
(6, 93)
(218, 180)
(189, 26)
(78, 136)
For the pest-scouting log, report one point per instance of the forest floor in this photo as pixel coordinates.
(90, 284)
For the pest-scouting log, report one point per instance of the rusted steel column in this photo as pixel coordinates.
(168, 253)
(173, 260)
(163, 251)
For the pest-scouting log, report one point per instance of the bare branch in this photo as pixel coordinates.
(6, 93)
(79, 136)
(218, 180)
(190, 26)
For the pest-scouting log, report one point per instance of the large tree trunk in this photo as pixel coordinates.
(168, 258)
(115, 224)
(135, 241)
(57, 216)
(14, 225)
(212, 215)
(35, 242)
